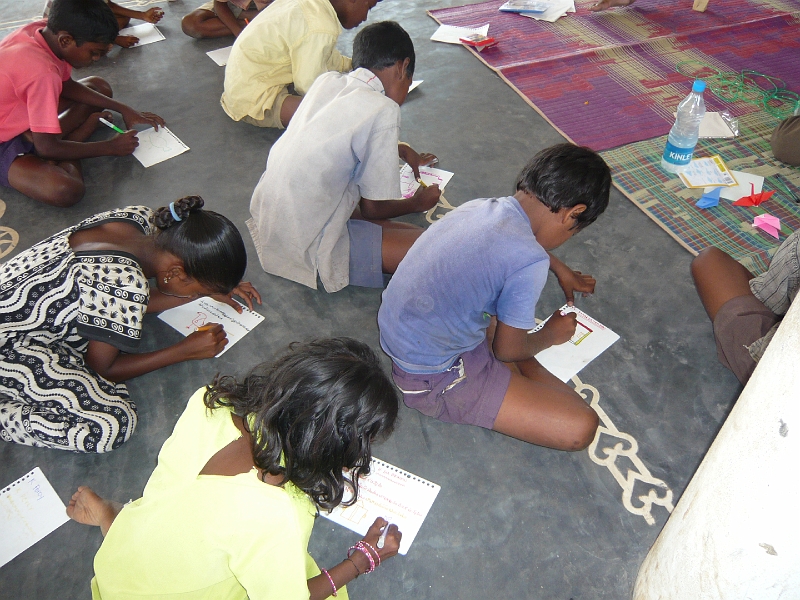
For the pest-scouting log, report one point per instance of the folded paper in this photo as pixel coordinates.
(709, 199)
(754, 199)
(769, 224)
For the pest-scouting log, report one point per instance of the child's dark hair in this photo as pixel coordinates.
(312, 412)
(210, 246)
(381, 45)
(84, 20)
(565, 175)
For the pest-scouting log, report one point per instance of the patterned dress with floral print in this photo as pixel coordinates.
(52, 302)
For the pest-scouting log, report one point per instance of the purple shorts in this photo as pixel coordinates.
(9, 152)
(469, 392)
(738, 323)
(366, 262)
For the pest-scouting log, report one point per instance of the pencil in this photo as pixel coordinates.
(422, 183)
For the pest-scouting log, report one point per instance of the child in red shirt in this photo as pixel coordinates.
(40, 151)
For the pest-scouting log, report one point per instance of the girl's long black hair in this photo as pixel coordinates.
(209, 244)
(313, 412)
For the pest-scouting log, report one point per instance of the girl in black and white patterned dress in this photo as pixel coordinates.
(71, 310)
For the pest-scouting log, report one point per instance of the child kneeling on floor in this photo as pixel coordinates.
(456, 314)
(332, 180)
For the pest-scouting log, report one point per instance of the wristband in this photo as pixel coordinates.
(333, 585)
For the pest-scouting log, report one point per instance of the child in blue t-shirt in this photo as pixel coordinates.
(456, 315)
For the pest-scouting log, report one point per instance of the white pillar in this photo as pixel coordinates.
(735, 533)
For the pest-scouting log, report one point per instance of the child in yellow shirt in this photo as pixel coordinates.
(289, 43)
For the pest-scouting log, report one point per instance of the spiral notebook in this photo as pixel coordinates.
(30, 509)
(398, 496)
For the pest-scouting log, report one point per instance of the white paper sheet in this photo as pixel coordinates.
(591, 339)
(220, 56)
(743, 189)
(30, 509)
(157, 146)
(409, 185)
(713, 126)
(707, 172)
(146, 32)
(190, 317)
(450, 34)
(396, 495)
(414, 85)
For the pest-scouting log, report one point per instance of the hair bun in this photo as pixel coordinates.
(163, 217)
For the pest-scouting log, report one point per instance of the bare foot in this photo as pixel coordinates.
(90, 509)
(88, 127)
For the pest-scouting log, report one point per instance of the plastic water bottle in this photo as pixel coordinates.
(683, 135)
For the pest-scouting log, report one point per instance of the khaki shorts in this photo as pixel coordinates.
(738, 323)
(272, 117)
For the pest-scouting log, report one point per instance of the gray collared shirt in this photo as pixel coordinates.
(777, 287)
(340, 146)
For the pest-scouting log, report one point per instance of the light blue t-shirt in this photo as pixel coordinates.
(482, 258)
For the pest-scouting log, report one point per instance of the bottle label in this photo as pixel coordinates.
(677, 156)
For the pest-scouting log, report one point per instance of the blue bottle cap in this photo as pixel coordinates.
(699, 86)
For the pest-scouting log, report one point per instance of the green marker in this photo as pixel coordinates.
(114, 127)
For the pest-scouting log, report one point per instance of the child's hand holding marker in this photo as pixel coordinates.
(123, 144)
(560, 328)
(382, 541)
(426, 197)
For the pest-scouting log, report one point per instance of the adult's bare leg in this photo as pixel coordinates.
(719, 278)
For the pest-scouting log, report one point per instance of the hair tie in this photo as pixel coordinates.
(172, 210)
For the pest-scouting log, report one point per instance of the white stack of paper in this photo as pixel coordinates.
(557, 9)
(450, 34)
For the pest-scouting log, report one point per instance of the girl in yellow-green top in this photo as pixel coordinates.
(228, 511)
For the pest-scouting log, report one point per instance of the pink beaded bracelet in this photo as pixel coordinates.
(333, 585)
(375, 552)
(368, 551)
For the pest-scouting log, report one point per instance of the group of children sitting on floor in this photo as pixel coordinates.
(264, 454)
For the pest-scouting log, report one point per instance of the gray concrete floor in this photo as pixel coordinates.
(512, 520)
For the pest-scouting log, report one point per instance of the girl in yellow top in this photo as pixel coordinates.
(228, 511)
